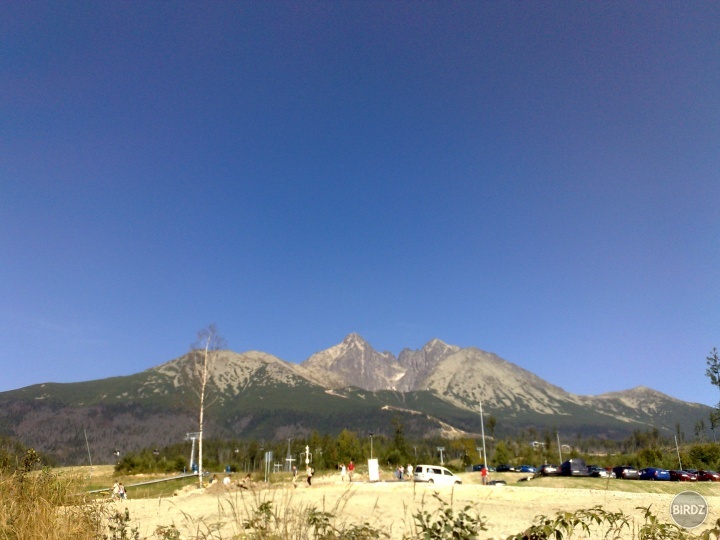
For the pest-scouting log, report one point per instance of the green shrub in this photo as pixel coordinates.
(704, 456)
(445, 523)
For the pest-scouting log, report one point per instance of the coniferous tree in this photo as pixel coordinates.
(713, 367)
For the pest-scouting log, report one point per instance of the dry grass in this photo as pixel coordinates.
(44, 506)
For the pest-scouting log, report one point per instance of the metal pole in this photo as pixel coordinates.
(288, 458)
(88, 449)
(559, 448)
(482, 430)
(677, 449)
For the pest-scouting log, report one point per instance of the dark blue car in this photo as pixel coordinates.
(653, 473)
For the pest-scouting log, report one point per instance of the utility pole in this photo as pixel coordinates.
(557, 433)
(482, 430)
(289, 459)
(88, 450)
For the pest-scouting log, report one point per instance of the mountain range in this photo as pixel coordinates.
(436, 390)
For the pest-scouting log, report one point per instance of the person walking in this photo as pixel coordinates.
(309, 473)
(351, 470)
(294, 476)
(343, 472)
(484, 475)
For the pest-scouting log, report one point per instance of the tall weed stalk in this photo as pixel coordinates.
(42, 505)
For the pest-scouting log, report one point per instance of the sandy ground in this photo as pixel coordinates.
(388, 506)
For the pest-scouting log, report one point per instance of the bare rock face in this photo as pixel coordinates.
(461, 376)
(356, 363)
(418, 365)
(468, 376)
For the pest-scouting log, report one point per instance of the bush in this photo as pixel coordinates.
(445, 523)
(705, 456)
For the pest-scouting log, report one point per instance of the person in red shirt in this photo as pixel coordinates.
(351, 470)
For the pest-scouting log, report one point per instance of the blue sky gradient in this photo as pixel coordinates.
(537, 179)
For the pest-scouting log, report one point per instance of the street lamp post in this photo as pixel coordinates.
(308, 456)
(482, 428)
(289, 459)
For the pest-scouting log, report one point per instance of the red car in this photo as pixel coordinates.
(708, 476)
(683, 476)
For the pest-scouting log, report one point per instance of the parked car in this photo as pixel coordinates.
(708, 476)
(434, 474)
(626, 472)
(527, 469)
(478, 468)
(683, 476)
(574, 467)
(549, 470)
(498, 483)
(598, 472)
(505, 468)
(653, 473)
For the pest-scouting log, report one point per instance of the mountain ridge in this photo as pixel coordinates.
(436, 390)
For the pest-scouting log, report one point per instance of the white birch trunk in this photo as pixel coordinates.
(203, 384)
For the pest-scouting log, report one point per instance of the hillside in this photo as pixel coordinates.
(436, 391)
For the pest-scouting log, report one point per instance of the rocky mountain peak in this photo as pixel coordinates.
(434, 342)
(439, 348)
(356, 363)
(418, 365)
(355, 340)
(451, 382)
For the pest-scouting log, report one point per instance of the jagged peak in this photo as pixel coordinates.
(354, 339)
(438, 343)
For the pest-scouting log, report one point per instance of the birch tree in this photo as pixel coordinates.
(203, 356)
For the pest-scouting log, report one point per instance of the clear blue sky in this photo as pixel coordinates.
(537, 179)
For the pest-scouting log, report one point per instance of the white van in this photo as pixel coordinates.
(434, 474)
